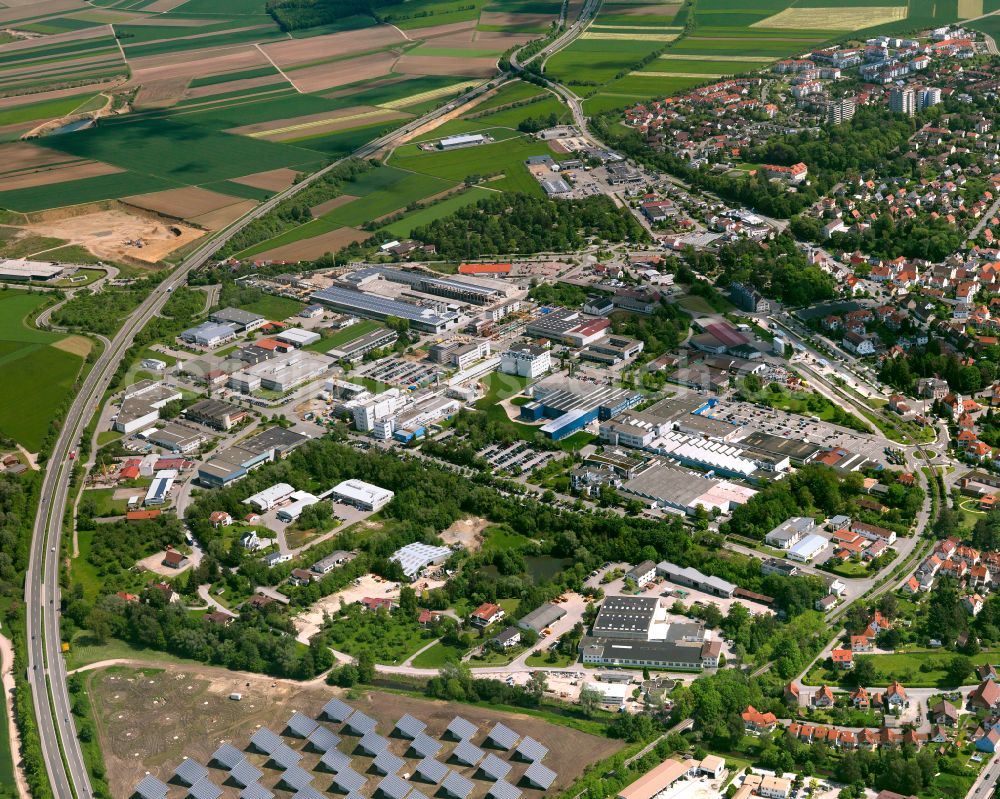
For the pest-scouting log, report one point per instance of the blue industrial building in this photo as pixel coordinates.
(571, 406)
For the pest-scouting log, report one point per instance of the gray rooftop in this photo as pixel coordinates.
(425, 746)
(256, 791)
(335, 760)
(227, 755)
(530, 749)
(360, 723)
(540, 776)
(542, 617)
(503, 736)
(241, 317)
(151, 788)
(349, 780)
(432, 770)
(410, 727)
(301, 725)
(494, 768)
(285, 757)
(415, 794)
(380, 307)
(308, 792)
(322, 739)
(503, 790)
(467, 753)
(393, 787)
(335, 710)
(373, 743)
(204, 789)
(456, 785)
(190, 771)
(245, 773)
(416, 556)
(462, 729)
(386, 762)
(296, 777)
(266, 741)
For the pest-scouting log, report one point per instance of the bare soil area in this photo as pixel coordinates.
(501, 40)
(154, 564)
(210, 61)
(302, 51)
(162, 6)
(161, 93)
(271, 180)
(107, 234)
(149, 720)
(468, 532)
(434, 31)
(508, 18)
(182, 203)
(317, 246)
(435, 65)
(47, 175)
(222, 217)
(344, 123)
(56, 94)
(233, 86)
(340, 73)
(329, 205)
(75, 345)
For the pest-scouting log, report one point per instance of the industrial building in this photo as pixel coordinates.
(300, 500)
(676, 489)
(235, 462)
(216, 413)
(177, 437)
(12, 269)
(361, 495)
(356, 349)
(653, 654)
(626, 617)
(686, 575)
(715, 456)
(210, 334)
(568, 326)
(464, 140)
(351, 301)
(280, 374)
(297, 337)
(475, 293)
(530, 362)
(414, 558)
(424, 411)
(789, 532)
(808, 548)
(270, 497)
(158, 490)
(244, 321)
(573, 404)
(542, 617)
(141, 404)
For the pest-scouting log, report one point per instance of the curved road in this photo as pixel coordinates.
(61, 750)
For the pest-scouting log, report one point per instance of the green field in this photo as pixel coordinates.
(513, 92)
(403, 227)
(274, 308)
(395, 190)
(49, 109)
(35, 378)
(226, 77)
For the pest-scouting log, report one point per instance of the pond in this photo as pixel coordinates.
(538, 567)
(72, 127)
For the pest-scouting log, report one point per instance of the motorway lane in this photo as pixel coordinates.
(46, 668)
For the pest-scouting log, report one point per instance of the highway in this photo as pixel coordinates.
(46, 668)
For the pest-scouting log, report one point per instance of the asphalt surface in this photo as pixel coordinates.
(46, 668)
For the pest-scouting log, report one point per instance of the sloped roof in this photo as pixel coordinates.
(190, 771)
(245, 773)
(432, 770)
(494, 768)
(462, 728)
(530, 749)
(540, 776)
(338, 711)
(410, 727)
(503, 736)
(468, 753)
(228, 755)
(323, 739)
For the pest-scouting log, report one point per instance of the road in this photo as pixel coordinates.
(46, 668)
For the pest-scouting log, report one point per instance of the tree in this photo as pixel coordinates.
(958, 669)
(590, 701)
(537, 685)
(865, 672)
(366, 667)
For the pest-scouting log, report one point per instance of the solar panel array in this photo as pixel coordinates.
(349, 775)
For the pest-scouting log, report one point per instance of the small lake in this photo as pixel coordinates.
(538, 567)
(72, 127)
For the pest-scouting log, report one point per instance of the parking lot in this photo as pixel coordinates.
(518, 458)
(756, 418)
(401, 372)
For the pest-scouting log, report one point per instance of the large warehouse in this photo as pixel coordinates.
(361, 495)
(573, 404)
(359, 303)
(426, 283)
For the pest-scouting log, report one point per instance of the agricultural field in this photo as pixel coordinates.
(199, 714)
(37, 369)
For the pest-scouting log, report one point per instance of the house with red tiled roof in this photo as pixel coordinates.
(860, 698)
(843, 659)
(823, 697)
(755, 721)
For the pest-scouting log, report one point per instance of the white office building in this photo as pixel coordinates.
(300, 501)
(362, 495)
(808, 548)
(264, 500)
(528, 362)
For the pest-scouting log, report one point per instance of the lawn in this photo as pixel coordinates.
(922, 669)
(402, 228)
(513, 92)
(550, 659)
(396, 193)
(106, 504)
(274, 308)
(85, 650)
(438, 655)
(7, 789)
(48, 109)
(31, 391)
(355, 331)
(500, 386)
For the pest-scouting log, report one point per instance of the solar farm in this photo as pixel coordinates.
(280, 739)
